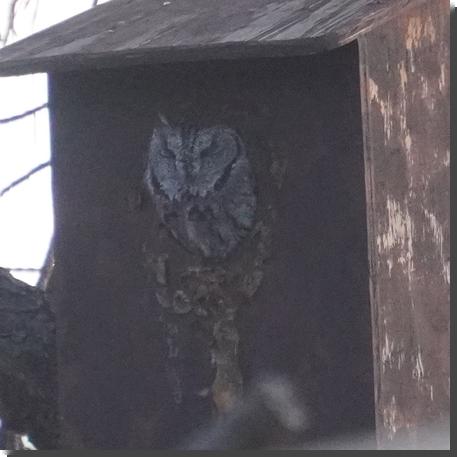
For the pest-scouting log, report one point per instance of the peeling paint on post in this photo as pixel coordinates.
(405, 95)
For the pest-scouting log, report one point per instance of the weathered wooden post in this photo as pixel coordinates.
(405, 91)
(216, 166)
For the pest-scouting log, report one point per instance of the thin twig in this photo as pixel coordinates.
(94, 3)
(24, 114)
(10, 22)
(32, 270)
(25, 177)
(35, 13)
(48, 266)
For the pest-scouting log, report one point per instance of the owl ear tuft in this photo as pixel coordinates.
(163, 120)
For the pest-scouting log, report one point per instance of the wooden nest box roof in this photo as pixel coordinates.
(127, 32)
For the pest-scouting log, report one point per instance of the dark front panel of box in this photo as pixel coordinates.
(211, 230)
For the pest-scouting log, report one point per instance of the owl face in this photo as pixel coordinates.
(191, 162)
(200, 180)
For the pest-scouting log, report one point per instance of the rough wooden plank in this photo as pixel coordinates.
(405, 87)
(136, 31)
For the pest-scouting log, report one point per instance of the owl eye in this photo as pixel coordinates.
(167, 153)
(206, 152)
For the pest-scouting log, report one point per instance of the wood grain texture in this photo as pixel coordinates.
(405, 87)
(125, 32)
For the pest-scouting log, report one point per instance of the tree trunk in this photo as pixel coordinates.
(28, 391)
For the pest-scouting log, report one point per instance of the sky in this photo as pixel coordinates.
(26, 216)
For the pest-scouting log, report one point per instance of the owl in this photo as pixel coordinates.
(201, 182)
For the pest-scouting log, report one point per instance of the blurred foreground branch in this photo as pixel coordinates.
(271, 416)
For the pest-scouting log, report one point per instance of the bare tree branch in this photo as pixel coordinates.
(10, 22)
(35, 13)
(24, 114)
(47, 268)
(32, 270)
(25, 177)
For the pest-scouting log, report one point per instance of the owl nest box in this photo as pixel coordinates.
(242, 188)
